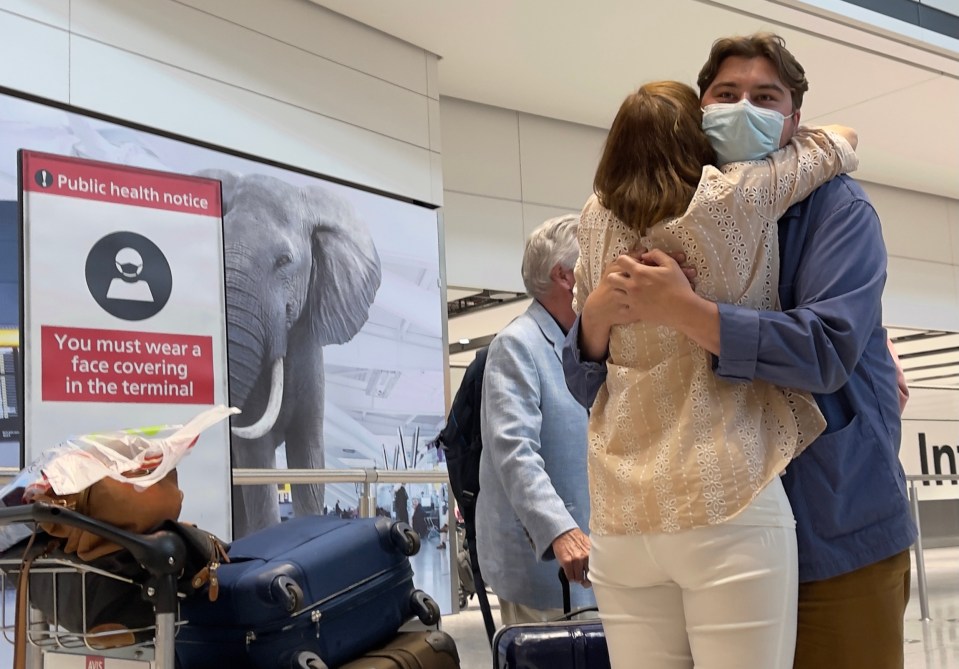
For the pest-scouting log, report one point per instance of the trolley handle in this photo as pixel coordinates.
(161, 553)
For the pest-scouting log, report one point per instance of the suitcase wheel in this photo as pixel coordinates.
(406, 540)
(307, 660)
(425, 607)
(287, 591)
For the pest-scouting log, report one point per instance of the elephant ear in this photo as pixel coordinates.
(229, 182)
(346, 267)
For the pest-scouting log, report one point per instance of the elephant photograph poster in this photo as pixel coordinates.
(334, 308)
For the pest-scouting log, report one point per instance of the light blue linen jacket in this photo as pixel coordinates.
(533, 483)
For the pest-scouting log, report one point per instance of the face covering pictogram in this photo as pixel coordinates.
(128, 276)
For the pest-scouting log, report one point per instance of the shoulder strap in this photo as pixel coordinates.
(480, 586)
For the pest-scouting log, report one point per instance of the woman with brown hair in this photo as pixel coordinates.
(690, 525)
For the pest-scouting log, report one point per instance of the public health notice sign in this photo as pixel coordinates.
(124, 318)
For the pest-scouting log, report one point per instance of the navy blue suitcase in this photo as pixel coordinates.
(563, 644)
(318, 588)
(567, 644)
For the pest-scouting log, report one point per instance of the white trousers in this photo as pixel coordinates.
(721, 597)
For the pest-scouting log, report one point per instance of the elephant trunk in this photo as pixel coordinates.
(249, 344)
(266, 421)
(246, 362)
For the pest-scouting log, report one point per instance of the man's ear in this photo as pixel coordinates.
(562, 276)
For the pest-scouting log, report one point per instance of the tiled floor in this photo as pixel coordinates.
(935, 644)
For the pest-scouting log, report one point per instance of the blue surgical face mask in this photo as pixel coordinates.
(742, 131)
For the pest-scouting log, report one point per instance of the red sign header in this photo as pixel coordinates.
(120, 184)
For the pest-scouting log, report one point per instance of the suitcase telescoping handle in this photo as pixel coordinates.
(567, 597)
(568, 613)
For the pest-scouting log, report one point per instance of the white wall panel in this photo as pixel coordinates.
(481, 151)
(436, 130)
(534, 214)
(542, 166)
(119, 83)
(34, 57)
(948, 6)
(558, 160)
(955, 282)
(484, 242)
(953, 213)
(328, 34)
(247, 59)
(436, 178)
(914, 225)
(433, 76)
(53, 12)
(921, 294)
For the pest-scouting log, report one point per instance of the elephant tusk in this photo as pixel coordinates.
(265, 424)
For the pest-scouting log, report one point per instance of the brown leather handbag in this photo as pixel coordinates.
(119, 504)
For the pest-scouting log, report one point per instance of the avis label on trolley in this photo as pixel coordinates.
(77, 661)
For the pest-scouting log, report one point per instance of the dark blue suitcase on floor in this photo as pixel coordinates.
(317, 586)
(564, 644)
(567, 644)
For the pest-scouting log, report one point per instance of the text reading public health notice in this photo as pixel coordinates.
(103, 182)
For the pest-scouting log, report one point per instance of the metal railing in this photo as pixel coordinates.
(366, 477)
(912, 479)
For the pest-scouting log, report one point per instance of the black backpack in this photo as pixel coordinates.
(462, 442)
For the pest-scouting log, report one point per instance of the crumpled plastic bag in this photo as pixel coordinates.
(141, 456)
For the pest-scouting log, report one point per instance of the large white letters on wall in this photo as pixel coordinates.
(930, 440)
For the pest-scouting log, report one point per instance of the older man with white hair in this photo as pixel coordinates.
(533, 504)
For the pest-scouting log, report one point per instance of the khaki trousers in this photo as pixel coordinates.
(512, 613)
(854, 620)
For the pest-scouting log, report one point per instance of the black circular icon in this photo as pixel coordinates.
(44, 178)
(128, 276)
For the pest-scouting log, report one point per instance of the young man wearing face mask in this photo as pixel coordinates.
(847, 490)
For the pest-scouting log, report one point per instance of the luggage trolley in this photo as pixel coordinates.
(161, 556)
